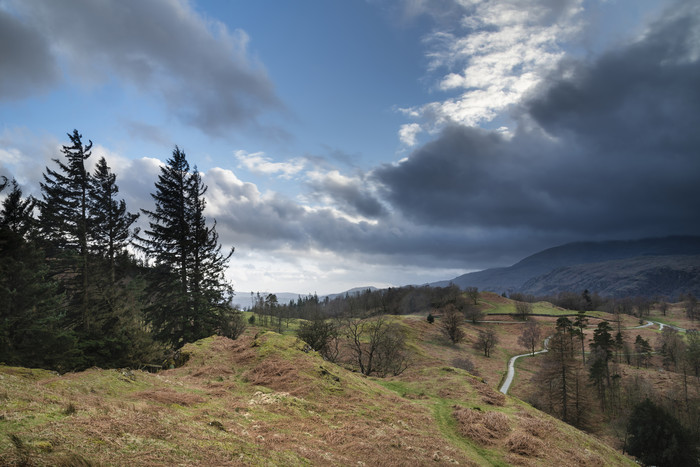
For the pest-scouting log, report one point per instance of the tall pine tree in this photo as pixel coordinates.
(188, 287)
(119, 335)
(63, 221)
(110, 222)
(209, 290)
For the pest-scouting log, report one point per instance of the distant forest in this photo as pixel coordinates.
(80, 286)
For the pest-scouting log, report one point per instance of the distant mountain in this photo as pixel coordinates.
(609, 268)
(643, 275)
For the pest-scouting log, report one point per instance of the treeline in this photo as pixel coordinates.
(391, 301)
(639, 306)
(80, 286)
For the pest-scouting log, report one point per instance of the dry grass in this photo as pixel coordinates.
(168, 396)
(484, 428)
(261, 400)
(524, 445)
(490, 395)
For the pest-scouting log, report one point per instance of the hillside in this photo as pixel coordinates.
(651, 257)
(648, 276)
(267, 399)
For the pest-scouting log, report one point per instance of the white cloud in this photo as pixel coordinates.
(258, 163)
(408, 134)
(496, 55)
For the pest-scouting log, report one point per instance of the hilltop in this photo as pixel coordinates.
(266, 398)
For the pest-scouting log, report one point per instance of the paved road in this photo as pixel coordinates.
(662, 325)
(511, 367)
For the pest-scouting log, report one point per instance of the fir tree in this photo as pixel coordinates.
(16, 213)
(119, 335)
(188, 284)
(109, 220)
(63, 220)
(166, 244)
(32, 330)
(209, 290)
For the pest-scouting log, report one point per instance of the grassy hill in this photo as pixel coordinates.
(265, 399)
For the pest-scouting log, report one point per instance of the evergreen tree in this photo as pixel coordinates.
(208, 288)
(32, 331)
(657, 438)
(109, 220)
(603, 340)
(119, 336)
(599, 371)
(167, 244)
(63, 221)
(16, 213)
(580, 324)
(190, 292)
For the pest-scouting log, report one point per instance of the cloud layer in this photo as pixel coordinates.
(607, 148)
(201, 71)
(600, 148)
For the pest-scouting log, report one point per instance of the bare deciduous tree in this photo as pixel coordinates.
(450, 324)
(530, 338)
(377, 345)
(473, 294)
(486, 341)
(523, 309)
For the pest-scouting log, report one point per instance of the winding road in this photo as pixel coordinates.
(511, 367)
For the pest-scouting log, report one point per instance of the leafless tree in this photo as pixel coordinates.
(473, 294)
(564, 382)
(377, 345)
(450, 324)
(530, 338)
(523, 309)
(486, 341)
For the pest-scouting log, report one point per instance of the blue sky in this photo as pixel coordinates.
(378, 142)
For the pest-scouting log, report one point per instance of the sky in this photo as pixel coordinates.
(372, 142)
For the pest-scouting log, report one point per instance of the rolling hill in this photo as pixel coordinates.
(266, 399)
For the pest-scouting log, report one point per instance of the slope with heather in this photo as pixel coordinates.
(268, 399)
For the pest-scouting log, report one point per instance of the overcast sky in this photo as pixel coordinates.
(372, 142)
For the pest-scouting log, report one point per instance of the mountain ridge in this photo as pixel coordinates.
(538, 268)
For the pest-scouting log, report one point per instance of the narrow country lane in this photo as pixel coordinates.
(511, 366)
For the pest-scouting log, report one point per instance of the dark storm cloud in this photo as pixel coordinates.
(27, 67)
(202, 71)
(606, 149)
